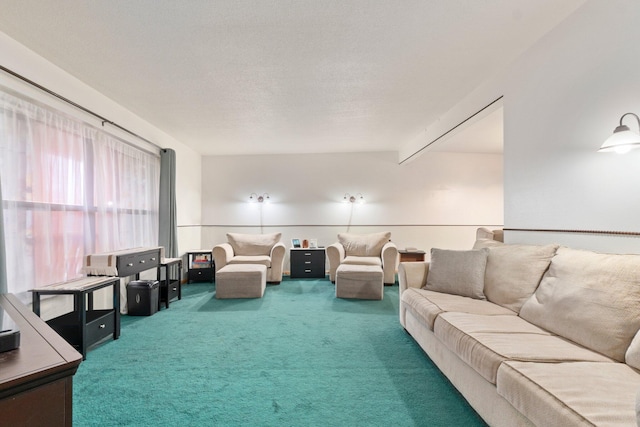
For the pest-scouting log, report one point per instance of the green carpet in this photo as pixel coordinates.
(297, 357)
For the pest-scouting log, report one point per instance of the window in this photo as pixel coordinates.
(69, 189)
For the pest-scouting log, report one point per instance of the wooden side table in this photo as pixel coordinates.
(84, 326)
(201, 266)
(411, 256)
(170, 287)
(308, 263)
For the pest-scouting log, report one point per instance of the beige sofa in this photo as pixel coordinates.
(375, 249)
(530, 335)
(264, 249)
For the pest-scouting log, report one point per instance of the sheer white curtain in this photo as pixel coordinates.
(68, 189)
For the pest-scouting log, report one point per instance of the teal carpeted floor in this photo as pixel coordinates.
(297, 357)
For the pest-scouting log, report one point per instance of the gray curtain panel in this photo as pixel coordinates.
(3, 262)
(168, 233)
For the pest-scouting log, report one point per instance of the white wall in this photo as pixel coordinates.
(562, 99)
(437, 200)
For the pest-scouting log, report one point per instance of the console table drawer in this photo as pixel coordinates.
(131, 264)
(100, 325)
(174, 289)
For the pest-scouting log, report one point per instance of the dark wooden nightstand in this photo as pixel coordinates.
(308, 263)
(201, 267)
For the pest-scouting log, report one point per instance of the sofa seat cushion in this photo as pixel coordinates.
(362, 260)
(484, 342)
(427, 305)
(571, 393)
(590, 298)
(246, 259)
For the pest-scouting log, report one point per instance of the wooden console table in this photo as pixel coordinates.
(84, 326)
(36, 379)
(124, 263)
(128, 262)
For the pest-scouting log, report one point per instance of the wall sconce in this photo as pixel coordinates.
(253, 197)
(623, 139)
(353, 199)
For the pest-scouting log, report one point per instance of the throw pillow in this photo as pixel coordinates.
(590, 298)
(457, 272)
(252, 244)
(364, 244)
(514, 272)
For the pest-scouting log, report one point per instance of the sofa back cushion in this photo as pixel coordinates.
(514, 272)
(364, 244)
(252, 244)
(632, 356)
(457, 272)
(486, 243)
(590, 298)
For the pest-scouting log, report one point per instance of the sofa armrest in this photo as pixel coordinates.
(335, 255)
(389, 262)
(412, 275)
(277, 262)
(222, 254)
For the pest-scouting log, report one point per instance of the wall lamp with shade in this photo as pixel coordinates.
(348, 198)
(264, 198)
(623, 139)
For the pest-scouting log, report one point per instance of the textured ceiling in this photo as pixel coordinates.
(283, 76)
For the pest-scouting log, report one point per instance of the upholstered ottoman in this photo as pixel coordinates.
(241, 281)
(359, 281)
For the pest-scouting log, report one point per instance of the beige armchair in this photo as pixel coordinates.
(265, 249)
(369, 249)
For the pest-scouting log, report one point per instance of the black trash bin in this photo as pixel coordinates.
(142, 297)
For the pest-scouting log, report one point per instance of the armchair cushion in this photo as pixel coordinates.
(255, 259)
(362, 260)
(252, 244)
(367, 245)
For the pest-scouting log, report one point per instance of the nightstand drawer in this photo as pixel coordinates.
(200, 275)
(302, 272)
